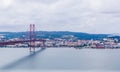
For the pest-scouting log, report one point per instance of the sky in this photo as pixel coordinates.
(90, 16)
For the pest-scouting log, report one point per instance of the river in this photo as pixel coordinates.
(60, 59)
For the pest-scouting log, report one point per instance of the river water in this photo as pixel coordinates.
(60, 59)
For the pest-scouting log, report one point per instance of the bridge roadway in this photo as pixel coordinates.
(19, 41)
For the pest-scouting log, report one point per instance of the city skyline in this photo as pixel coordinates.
(90, 16)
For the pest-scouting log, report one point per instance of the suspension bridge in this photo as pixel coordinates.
(32, 39)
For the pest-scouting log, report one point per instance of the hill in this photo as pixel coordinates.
(55, 34)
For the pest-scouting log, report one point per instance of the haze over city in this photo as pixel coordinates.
(91, 16)
(59, 35)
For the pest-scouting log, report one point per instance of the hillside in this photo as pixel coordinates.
(54, 34)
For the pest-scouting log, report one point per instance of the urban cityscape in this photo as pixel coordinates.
(70, 41)
(59, 35)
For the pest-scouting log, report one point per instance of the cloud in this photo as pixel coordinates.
(92, 16)
(5, 3)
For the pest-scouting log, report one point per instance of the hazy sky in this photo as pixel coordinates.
(91, 16)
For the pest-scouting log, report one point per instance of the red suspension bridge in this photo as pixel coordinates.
(32, 39)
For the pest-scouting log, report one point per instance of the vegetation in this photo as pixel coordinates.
(54, 34)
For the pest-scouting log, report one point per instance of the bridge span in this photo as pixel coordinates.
(31, 41)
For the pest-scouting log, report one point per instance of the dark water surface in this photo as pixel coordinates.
(64, 59)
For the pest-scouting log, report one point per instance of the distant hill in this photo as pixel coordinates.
(55, 34)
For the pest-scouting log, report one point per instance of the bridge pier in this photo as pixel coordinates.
(32, 37)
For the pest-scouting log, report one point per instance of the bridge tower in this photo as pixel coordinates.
(32, 37)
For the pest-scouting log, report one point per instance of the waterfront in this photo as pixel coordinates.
(60, 59)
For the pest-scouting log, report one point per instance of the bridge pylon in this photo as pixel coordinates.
(32, 37)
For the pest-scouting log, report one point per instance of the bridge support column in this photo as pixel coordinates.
(32, 37)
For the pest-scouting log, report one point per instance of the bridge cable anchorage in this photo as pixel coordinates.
(32, 37)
